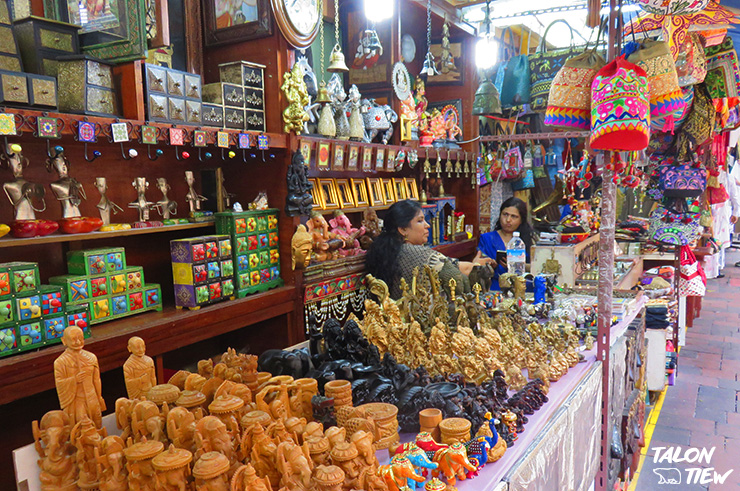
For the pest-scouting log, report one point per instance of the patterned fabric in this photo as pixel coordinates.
(620, 119)
(688, 97)
(674, 228)
(682, 181)
(569, 105)
(672, 7)
(691, 65)
(698, 126)
(418, 256)
(543, 67)
(722, 70)
(692, 282)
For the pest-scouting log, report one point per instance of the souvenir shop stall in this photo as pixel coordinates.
(227, 336)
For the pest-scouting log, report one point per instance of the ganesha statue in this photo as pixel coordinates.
(342, 228)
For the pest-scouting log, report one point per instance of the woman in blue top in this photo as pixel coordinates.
(512, 218)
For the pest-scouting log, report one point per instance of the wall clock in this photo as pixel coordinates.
(298, 20)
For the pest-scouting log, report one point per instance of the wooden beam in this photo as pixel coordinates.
(443, 10)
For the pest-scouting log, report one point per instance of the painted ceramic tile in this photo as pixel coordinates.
(177, 136)
(223, 139)
(199, 138)
(119, 132)
(244, 140)
(86, 132)
(7, 124)
(47, 127)
(148, 135)
(263, 142)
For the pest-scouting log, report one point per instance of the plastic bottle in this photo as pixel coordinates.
(516, 256)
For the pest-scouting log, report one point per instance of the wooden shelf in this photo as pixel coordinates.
(458, 249)
(32, 372)
(8, 241)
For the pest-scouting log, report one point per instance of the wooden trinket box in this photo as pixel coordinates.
(202, 270)
(172, 96)
(42, 41)
(87, 86)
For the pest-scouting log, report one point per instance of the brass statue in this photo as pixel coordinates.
(192, 197)
(141, 204)
(105, 205)
(20, 192)
(296, 93)
(68, 190)
(166, 207)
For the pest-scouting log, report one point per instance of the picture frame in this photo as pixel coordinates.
(305, 148)
(359, 190)
(316, 195)
(239, 22)
(367, 159)
(450, 109)
(390, 163)
(367, 70)
(399, 186)
(338, 162)
(354, 156)
(329, 196)
(375, 191)
(412, 192)
(389, 192)
(452, 77)
(322, 156)
(345, 193)
(380, 159)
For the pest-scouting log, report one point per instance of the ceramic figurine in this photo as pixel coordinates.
(296, 94)
(378, 119)
(77, 379)
(56, 458)
(328, 478)
(172, 469)
(246, 479)
(356, 121)
(435, 485)
(112, 464)
(341, 227)
(453, 463)
(210, 472)
(299, 200)
(194, 199)
(301, 247)
(141, 204)
(138, 370)
(181, 428)
(105, 205)
(398, 472)
(86, 438)
(141, 472)
(166, 207)
(338, 104)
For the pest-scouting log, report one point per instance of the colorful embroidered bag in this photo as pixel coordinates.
(516, 84)
(512, 166)
(672, 7)
(620, 110)
(682, 181)
(722, 70)
(697, 128)
(666, 99)
(543, 67)
(693, 281)
(672, 227)
(691, 64)
(569, 104)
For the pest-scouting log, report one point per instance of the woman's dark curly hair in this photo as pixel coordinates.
(525, 231)
(382, 257)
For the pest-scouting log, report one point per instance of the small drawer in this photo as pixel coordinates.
(176, 109)
(193, 112)
(255, 120)
(223, 93)
(49, 66)
(42, 91)
(253, 77)
(7, 41)
(192, 86)
(10, 62)
(234, 118)
(212, 114)
(156, 78)
(99, 74)
(175, 83)
(100, 101)
(254, 99)
(157, 108)
(60, 41)
(5, 12)
(14, 88)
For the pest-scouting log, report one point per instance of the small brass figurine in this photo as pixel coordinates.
(20, 192)
(141, 204)
(105, 205)
(296, 93)
(68, 190)
(194, 199)
(166, 207)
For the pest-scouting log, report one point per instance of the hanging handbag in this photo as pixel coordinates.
(543, 66)
(504, 54)
(672, 7)
(666, 99)
(692, 281)
(691, 64)
(620, 110)
(697, 128)
(682, 181)
(513, 166)
(516, 84)
(722, 70)
(672, 227)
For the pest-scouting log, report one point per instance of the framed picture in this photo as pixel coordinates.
(329, 195)
(375, 191)
(399, 186)
(380, 159)
(412, 192)
(234, 21)
(322, 156)
(367, 159)
(359, 190)
(316, 195)
(449, 66)
(451, 114)
(390, 164)
(346, 194)
(389, 192)
(354, 155)
(338, 163)
(368, 67)
(305, 149)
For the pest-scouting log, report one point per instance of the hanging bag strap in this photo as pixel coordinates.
(507, 48)
(542, 48)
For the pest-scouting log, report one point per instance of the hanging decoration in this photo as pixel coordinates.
(369, 50)
(401, 81)
(336, 59)
(429, 69)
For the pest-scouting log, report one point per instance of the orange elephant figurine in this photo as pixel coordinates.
(453, 463)
(397, 474)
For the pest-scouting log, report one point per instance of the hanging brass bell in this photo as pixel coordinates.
(336, 60)
(487, 100)
(323, 96)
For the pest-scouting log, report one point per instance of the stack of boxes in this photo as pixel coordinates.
(33, 315)
(172, 96)
(255, 252)
(238, 100)
(202, 270)
(100, 279)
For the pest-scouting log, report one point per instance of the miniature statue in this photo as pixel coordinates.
(77, 379)
(245, 479)
(398, 472)
(141, 473)
(147, 422)
(20, 192)
(172, 469)
(446, 60)
(326, 125)
(58, 469)
(378, 119)
(328, 478)
(344, 455)
(301, 248)
(356, 120)
(318, 449)
(296, 93)
(371, 224)
(337, 95)
(68, 190)
(453, 463)
(105, 205)
(194, 199)
(418, 458)
(166, 207)
(263, 455)
(86, 438)
(210, 472)
(138, 370)
(295, 466)
(342, 228)
(111, 464)
(181, 428)
(211, 435)
(299, 200)
(325, 244)
(141, 204)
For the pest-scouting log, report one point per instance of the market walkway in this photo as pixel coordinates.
(701, 410)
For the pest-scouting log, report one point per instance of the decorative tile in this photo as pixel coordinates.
(199, 252)
(243, 263)
(241, 244)
(78, 290)
(199, 138)
(134, 280)
(101, 308)
(86, 132)
(211, 250)
(244, 140)
(152, 297)
(200, 274)
(7, 340)
(214, 271)
(51, 303)
(99, 286)
(227, 288)
(251, 224)
(118, 283)
(148, 135)
(224, 247)
(274, 256)
(253, 242)
(254, 278)
(227, 268)
(254, 260)
(7, 124)
(177, 136)
(6, 311)
(54, 328)
(4, 283)
(201, 294)
(263, 142)
(223, 139)
(119, 132)
(47, 127)
(29, 307)
(79, 320)
(30, 334)
(240, 225)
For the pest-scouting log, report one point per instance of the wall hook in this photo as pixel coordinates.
(157, 153)
(132, 153)
(207, 155)
(185, 155)
(95, 155)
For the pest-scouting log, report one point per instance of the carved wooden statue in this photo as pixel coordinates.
(141, 473)
(111, 464)
(138, 370)
(246, 479)
(211, 472)
(181, 428)
(86, 438)
(192, 197)
(173, 469)
(301, 247)
(56, 459)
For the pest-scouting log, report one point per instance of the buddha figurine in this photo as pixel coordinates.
(105, 205)
(141, 204)
(56, 458)
(138, 370)
(172, 469)
(77, 379)
(192, 197)
(301, 248)
(211, 472)
(165, 206)
(112, 464)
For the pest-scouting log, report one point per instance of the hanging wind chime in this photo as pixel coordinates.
(429, 69)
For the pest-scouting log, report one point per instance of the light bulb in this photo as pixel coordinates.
(378, 10)
(486, 53)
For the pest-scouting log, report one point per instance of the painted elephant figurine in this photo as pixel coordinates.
(420, 460)
(398, 473)
(377, 119)
(453, 463)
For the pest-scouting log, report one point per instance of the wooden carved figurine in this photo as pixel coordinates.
(141, 204)
(246, 479)
(139, 456)
(138, 370)
(211, 472)
(111, 464)
(211, 435)
(172, 469)
(166, 207)
(301, 248)
(193, 198)
(105, 205)
(86, 438)
(181, 428)
(77, 379)
(56, 460)
(295, 466)
(328, 478)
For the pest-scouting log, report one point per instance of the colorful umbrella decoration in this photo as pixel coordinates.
(675, 28)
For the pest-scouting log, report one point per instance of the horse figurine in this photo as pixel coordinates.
(398, 473)
(378, 118)
(453, 463)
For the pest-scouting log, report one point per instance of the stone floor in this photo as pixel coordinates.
(701, 410)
